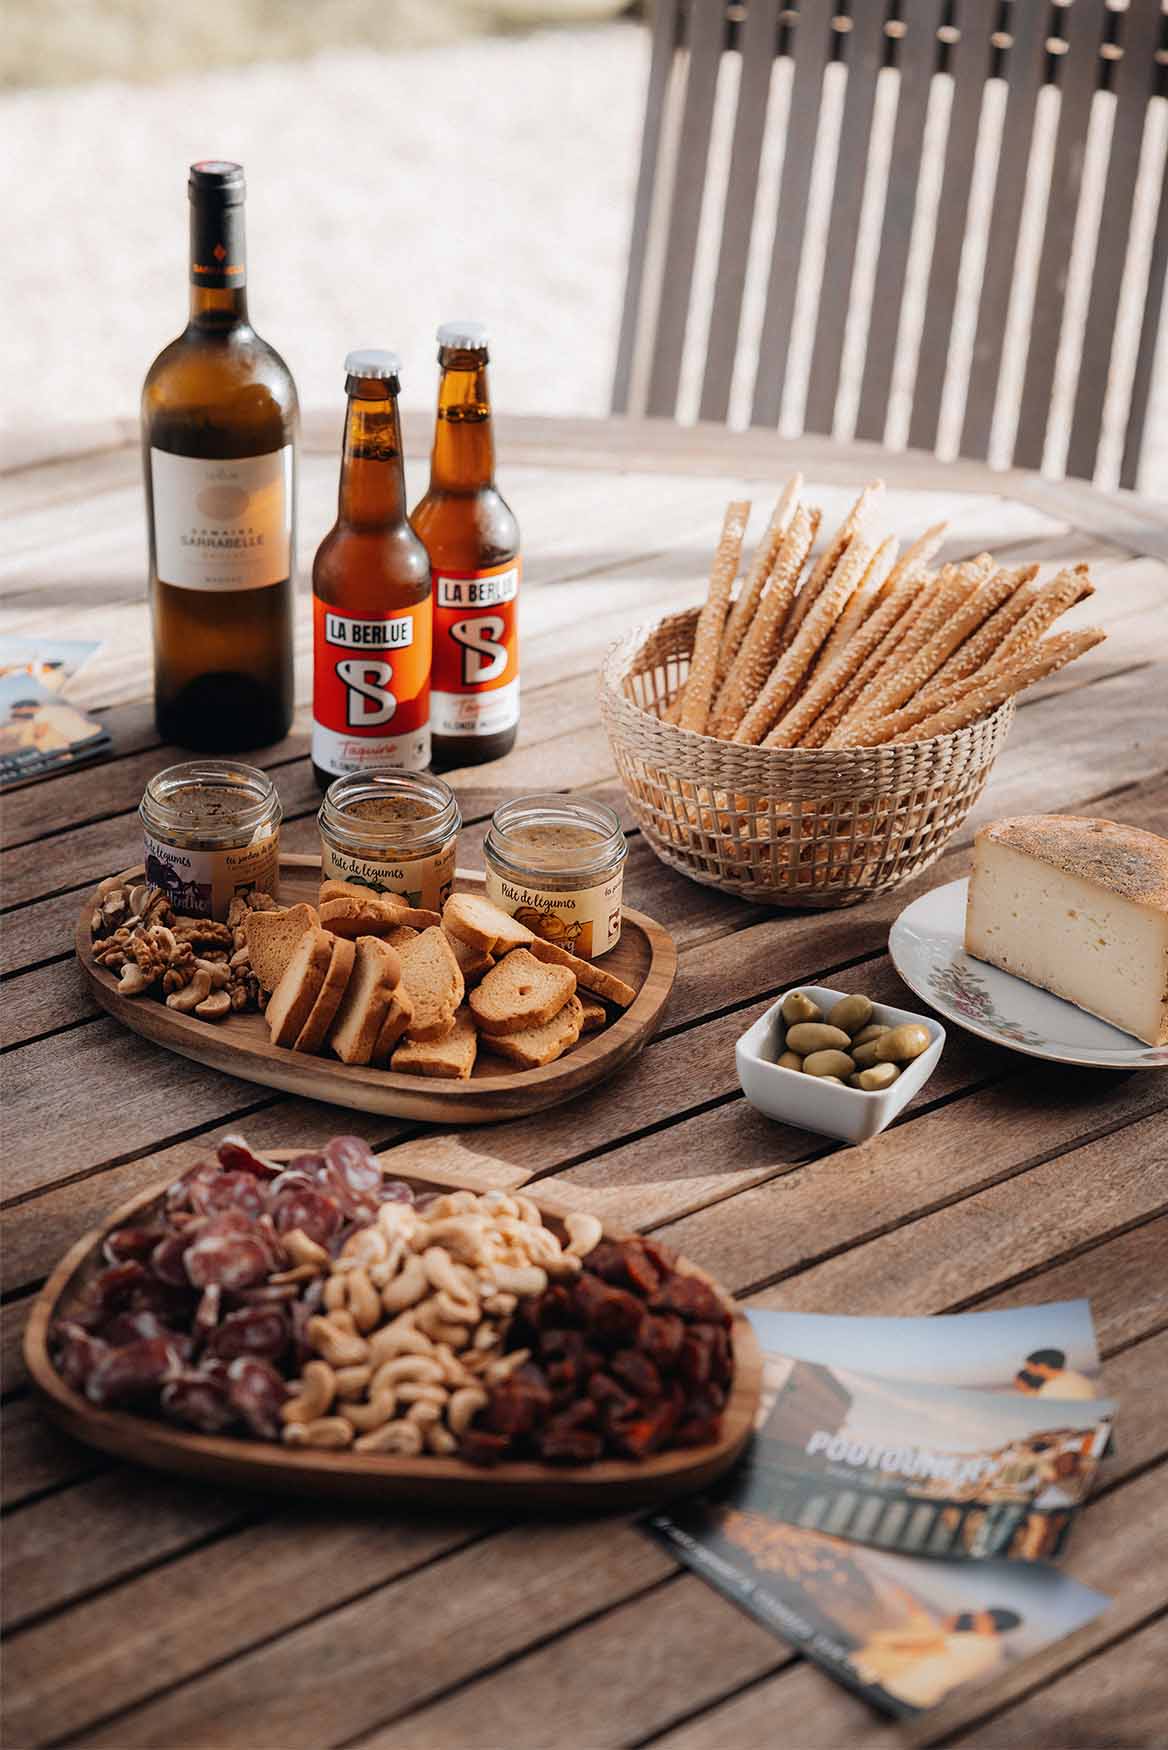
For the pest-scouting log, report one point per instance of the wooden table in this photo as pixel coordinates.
(143, 1611)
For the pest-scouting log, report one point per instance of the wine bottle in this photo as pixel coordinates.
(219, 420)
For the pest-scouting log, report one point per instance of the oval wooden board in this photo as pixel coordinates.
(645, 957)
(611, 1485)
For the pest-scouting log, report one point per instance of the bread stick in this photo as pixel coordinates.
(703, 665)
(756, 658)
(830, 557)
(975, 698)
(743, 610)
(867, 597)
(977, 650)
(913, 560)
(795, 661)
(1053, 599)
(892, 619)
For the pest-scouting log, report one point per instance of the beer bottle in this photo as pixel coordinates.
(218, 440)
(371, 608)
(473, 542)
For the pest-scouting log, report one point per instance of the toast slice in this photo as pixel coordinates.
(453, 1056)
(299, 985)
(399, 935)
(472, 962)
(397, 1019)
(595, 1015)
(371, 914)
(434, 984)
(271, 937)
(365, 1004)
(520, 992)
(475, 919)
(589, 976)
(312, 1035)
(534, 1046)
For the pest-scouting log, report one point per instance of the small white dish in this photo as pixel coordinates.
(813, 1104)
(927, 948)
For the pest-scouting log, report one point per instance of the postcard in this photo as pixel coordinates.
(52, 661)
(1041, 1351)
(923, 1468)
(906, 1634)
(39, 731)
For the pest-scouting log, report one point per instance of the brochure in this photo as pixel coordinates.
(904, 1633)
(40, 731)
(52, 661)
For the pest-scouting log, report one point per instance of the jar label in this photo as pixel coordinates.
(476, 650)
(202, 884)
(371, 688)
(222, 525)
(426, 881)
(585, 921)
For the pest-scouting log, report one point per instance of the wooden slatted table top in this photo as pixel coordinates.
(141, 1611)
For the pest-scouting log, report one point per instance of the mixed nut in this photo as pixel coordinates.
(322, 1305)
(846, 1046)
(194, 965)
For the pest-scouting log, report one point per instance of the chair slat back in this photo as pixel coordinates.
(972, 72)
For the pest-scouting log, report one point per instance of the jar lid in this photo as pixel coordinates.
(466, 336)
(371, 361)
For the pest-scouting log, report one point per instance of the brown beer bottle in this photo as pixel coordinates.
(218, 441)
(473, 542)
(371, 606)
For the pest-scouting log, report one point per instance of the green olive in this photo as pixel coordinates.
(790, 1060)
(881, 1075)
(814, 1036)
(850, 1014)
(903, 1043)
(872, 1031)
(828, 1063)
(798, 1007)
(865, 1055)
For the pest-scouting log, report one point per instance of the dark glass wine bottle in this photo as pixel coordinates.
(219, 419)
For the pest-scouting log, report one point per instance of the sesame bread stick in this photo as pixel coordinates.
(869, 596)
(1053, 599)
(974, 700)
(794, 663)
(978, 650)
(831, 556)
(890, 621)
(703, 665)
(760, 647)
(914, 560)
(762, 564)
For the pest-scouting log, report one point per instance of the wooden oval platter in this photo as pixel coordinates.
(611, 1485)
(645, 957)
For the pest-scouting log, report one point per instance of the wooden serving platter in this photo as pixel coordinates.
(611, 1485)
(645, 957)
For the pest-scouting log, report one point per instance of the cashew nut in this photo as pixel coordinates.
(506, 1365)
(329, 1431)
(214, 1007)
(500, 1201)
(404, 1438)
(439, 1440)
(364, 1417)
(529, 1212)
(216, 970)
(351, 1381)
(318, 1384)
(423, 1394)
(464, 1405)
(461, 1235)
(453, 1372)
(399, 1338)
(407, 1288)
(406, 1367)
(298, 1273)
(452, 1203)
(584, 1232)
(334, 1293)
(133, 981)
(367, 1246)
(485, 1337)
(364, 1300)
(500, 1306)
(187, 1000)
(522, 1279)
(455, 1310)
(304, 1250)
(336, 1344)
(429, 1320)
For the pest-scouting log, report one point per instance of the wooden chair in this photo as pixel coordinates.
(1079, 45)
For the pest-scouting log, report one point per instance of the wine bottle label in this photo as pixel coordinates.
(371, 688)
(475, 680)
(222, 525)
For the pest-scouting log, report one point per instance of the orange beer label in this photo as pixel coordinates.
(475, 681)
(371, 688)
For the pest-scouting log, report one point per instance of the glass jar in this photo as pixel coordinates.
(392, 831)
(557, 864)
(210, 831)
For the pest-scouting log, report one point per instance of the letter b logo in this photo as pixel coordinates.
(483, 657)
(368, 700)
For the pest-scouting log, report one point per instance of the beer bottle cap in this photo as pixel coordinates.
(467, 336)
(370, 361)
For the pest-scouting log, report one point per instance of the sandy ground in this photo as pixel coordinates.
(490, 177)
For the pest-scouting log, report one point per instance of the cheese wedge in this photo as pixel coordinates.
(1079, 907)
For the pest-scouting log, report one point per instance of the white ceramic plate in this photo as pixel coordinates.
(926, 947)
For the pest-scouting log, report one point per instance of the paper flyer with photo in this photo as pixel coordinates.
(51, 661)
(919, 1467)
(905, 1633)
(40, 731)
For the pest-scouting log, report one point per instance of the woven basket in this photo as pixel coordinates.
(782, 826)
